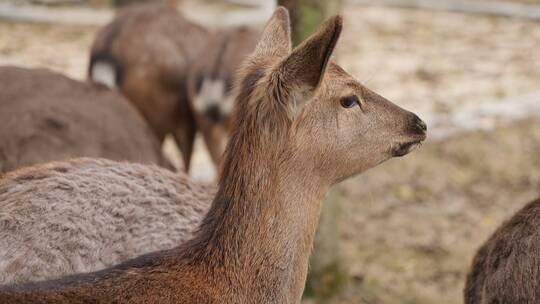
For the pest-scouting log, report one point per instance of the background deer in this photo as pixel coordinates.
(506, 268)
(175, 52)
(302, 124)
(146, 52)
(210, 84)
(46, 116)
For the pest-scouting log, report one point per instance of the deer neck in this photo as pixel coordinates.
(262, 226)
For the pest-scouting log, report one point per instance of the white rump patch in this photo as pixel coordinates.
(103, 73)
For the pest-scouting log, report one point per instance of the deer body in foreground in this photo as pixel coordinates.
(210, 83)
(302, 124)
(46, 116)
(506, 269)
(84, 215)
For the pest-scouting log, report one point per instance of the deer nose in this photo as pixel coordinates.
(420, 124)
(213, 113)
(417, 125)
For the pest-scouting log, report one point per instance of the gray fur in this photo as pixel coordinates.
(91, 213)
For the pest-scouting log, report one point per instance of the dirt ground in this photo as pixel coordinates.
(411, 225)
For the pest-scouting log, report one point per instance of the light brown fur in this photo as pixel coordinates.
(291, 140)
(46, 116)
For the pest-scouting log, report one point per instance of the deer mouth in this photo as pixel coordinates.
(406, 148)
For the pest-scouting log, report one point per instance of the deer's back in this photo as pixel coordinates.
(506, 269)
(45, 116)
(84, 215)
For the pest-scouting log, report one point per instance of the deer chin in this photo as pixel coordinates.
(406, 148)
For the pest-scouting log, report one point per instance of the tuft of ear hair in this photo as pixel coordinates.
(275, 40)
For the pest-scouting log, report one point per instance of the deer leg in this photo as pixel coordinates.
(215, 138)
(185, 138)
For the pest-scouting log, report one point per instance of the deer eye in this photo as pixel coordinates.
(350, 101)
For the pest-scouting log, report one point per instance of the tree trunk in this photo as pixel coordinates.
(327, 272)
(307, 15)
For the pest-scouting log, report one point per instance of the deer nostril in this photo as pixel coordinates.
(421, 124)
(417, 125)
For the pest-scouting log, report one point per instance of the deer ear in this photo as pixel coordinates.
(276, 37)
(305, 66)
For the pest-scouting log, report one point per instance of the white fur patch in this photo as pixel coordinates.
(212, 93)
(103, 73)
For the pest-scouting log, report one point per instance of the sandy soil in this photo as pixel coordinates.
(411, 225)
(439, 63)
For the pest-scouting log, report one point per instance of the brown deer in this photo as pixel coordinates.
(302, 124)
(46, 116)
(210, 84)
(506, 269)
(146, 52)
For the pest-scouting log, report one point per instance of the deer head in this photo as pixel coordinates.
(308, 108)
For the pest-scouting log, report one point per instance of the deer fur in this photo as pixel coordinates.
(146, 52)
(210, 83)
(84, 215)
(46, 116)
(291, 141)
(506, 269)
(201, 63)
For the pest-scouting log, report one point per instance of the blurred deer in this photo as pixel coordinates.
(210, 84)
(302, 124)
(176, 72)
(146, 52)
(506, 269)
(46, 116)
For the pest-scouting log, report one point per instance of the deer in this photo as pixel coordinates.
(506, 267)
(47, 116)
(182, 83)
(146, 52)
(210, 84)
(301, 124)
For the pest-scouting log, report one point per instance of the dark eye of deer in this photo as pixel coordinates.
(350, 101)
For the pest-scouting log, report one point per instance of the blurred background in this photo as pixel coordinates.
(406, 230)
